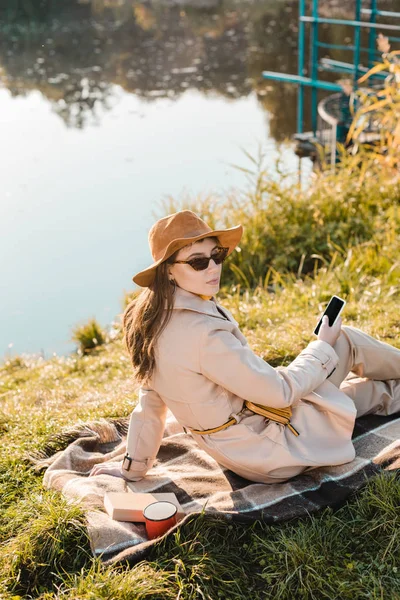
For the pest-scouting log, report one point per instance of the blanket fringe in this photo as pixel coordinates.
(106, 430)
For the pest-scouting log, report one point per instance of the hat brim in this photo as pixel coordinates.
(229, 238)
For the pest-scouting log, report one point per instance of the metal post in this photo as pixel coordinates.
(371, 35)
(357, 33)
(300, 66)
(314, 64)
(299, 165)
(333, 146)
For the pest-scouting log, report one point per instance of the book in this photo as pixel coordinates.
(129, 506)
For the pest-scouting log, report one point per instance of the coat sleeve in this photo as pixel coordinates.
(224, 360)
(145, 432)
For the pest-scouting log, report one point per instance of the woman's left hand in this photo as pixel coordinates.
(107, 468)
(329, 333)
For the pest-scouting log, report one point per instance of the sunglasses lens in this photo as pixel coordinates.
(201, 263)
(220, 255)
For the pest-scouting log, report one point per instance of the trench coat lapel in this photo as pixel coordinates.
(184, 300)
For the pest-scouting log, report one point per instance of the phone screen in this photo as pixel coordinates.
(332, 311)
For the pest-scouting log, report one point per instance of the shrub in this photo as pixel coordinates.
(380, 107)
(88, 336)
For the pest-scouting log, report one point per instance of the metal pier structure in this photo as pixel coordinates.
(330, 117)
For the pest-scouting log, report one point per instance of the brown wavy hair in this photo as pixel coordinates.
(144, 319)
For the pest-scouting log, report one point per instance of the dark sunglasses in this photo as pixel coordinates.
(200, 263)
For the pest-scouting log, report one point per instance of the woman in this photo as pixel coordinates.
(189, 356)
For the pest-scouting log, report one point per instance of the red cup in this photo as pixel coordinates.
(159, 517)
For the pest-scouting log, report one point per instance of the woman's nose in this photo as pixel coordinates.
(212, 265)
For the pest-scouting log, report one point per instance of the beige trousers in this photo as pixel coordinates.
(368, 372)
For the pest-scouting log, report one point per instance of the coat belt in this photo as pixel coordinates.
(280, 415)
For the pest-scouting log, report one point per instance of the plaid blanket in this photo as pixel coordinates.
(201, 485)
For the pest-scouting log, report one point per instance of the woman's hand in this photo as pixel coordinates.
(330, 334)
(108, 468)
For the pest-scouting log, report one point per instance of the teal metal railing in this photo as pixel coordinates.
(309, 77)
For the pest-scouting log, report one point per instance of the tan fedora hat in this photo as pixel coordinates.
(175, 231)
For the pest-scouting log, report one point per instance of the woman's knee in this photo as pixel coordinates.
(344, 350)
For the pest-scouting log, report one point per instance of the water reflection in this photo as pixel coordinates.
(74, 51)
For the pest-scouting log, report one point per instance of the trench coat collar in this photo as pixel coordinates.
(189, 301)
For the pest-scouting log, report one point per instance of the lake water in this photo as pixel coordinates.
(107, 107)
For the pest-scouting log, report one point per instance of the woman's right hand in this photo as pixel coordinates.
(107, 468)
(330, 334)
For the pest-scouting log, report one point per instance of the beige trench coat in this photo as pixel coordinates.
(205, 369)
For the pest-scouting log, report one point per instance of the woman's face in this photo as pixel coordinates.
(205, 282)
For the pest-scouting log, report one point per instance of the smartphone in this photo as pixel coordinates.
(333, 310)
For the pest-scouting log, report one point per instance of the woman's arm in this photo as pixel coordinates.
(145, 432)
(224, 360)
(146, 429)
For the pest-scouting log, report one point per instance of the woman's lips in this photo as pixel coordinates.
(213, 281)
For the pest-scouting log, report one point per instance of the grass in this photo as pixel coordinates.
(275, 287)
